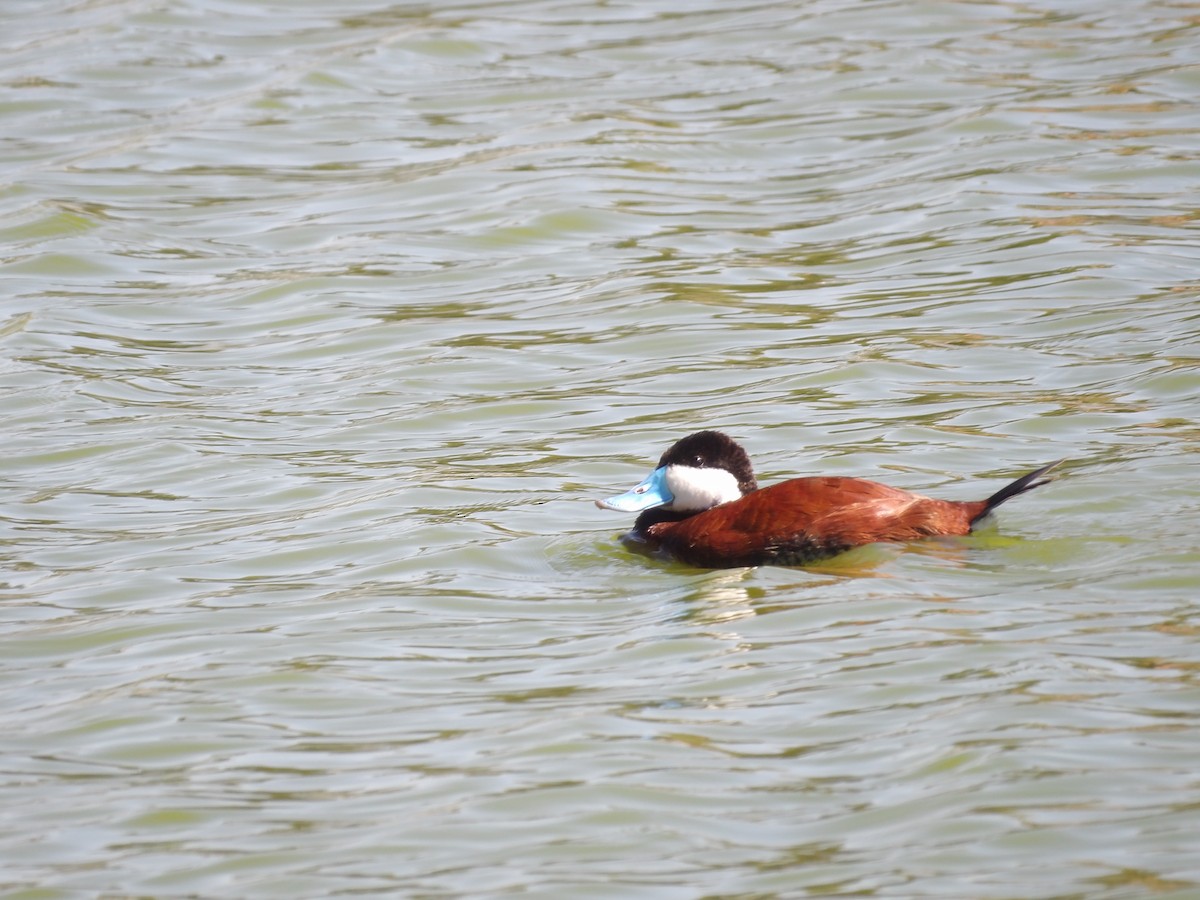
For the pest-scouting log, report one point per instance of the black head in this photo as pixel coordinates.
(712, 450)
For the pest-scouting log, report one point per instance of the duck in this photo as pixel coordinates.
(702, 505)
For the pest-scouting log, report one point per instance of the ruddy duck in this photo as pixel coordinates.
(703, 505)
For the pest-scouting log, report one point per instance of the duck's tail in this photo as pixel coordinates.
(1020, 486)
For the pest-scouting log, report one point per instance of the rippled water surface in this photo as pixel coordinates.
(322, 325)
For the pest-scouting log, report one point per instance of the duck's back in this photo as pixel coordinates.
(806, 519)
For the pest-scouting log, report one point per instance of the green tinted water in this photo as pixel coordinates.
(322, 328)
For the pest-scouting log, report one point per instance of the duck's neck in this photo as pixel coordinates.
(658, 514)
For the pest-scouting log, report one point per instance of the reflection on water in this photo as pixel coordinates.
(321, 333)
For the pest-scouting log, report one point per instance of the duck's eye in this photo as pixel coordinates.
(698, 460)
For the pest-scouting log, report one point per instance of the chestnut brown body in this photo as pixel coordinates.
(808, 519)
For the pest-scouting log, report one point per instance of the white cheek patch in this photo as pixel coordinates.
(698, 489)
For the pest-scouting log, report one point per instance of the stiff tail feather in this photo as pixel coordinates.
(1020, 486)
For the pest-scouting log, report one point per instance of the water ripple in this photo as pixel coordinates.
(322, 329)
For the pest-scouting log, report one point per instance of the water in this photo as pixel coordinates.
(322, 326)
